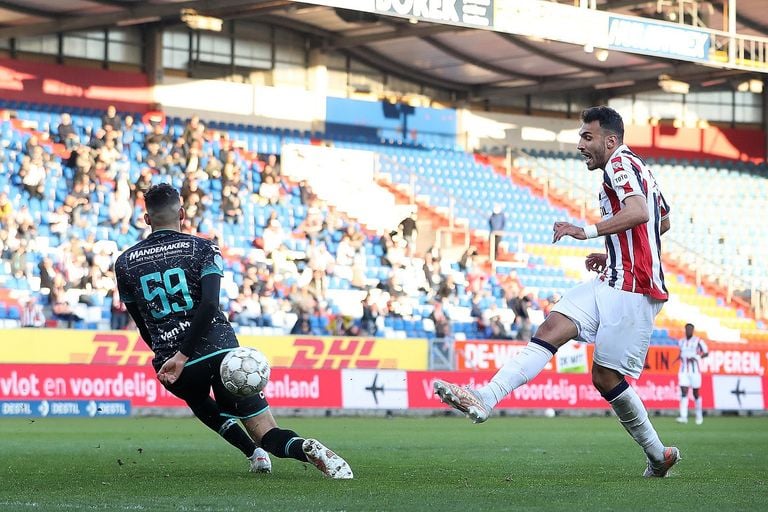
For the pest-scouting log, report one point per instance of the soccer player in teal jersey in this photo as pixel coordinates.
(170, 285)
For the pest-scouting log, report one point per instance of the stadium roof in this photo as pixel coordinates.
(478, 64)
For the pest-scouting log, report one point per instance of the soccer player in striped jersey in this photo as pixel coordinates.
(692, 351)
(616, 310)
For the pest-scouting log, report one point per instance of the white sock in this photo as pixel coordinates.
(634, 417)
(526, 365)
(684, 407)
(699, 410)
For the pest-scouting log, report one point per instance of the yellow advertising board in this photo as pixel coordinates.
(63, 346)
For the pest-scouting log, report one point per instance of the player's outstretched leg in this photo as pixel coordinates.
(661, 468)
(208, 412)
(478, 403)
(463, 399)
(632, 414)
(288, 444)
(326, 460)
(260, 462)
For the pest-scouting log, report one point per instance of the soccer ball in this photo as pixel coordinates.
(245, 371)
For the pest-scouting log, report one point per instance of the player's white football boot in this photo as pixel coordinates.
(699, 420)
(326, 460)
(681, 419)
(260, 462)
(661, 469)
(463, 399)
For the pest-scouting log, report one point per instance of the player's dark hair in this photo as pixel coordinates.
(609, 119)
(689, 325)
(163, 203)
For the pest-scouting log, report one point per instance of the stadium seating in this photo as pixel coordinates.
(452, 182)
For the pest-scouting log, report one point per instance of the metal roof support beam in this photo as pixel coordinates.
(677, 71)
(469, 59)
(521, 43)
(130, 12)
(379, 61)
(29, 11)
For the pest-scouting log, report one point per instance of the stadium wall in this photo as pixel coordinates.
(73, 86)
(488, 130)
(91, 373)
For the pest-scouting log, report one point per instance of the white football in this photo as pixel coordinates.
(245, 371)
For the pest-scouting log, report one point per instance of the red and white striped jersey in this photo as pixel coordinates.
(634, 256)
(691, 350)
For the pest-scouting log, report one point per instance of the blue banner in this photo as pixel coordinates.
(64, 408)
(662, 39)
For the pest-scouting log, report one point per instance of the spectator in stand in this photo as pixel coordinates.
(47, 273)
(306, 195)
(269, 191)
(519, 304)
(273, 236)
(20, 259)
(302, 326)
(66, 133)
(370, 314)
(231, 205)
(194, 130)
(77, 205)
(32, 174)
(129, 135)
(432, 271)
(496, 224)
(231, 172)
(447, 292)
(467, 260)
(143, 183)
(409, 232)
(111, 120)
(157, 136)
(118, 319)
(98, 139)
(31, 145)
(32, 313)
(275, 165)
(441, 321)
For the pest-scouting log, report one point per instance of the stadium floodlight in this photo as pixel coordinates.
(673, 86)
(199, 22)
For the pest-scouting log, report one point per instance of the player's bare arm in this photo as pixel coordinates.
(664, 226)
(634, 213)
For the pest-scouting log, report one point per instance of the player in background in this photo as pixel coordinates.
(692, 351)
(170, 285)
(615, 311)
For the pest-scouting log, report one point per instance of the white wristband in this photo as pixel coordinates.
(590, 231)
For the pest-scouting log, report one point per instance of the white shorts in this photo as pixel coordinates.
(619, 323)
(689, 379)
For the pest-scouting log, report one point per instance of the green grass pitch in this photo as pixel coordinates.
(421, 464)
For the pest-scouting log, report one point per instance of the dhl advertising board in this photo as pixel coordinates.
(127, 348)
